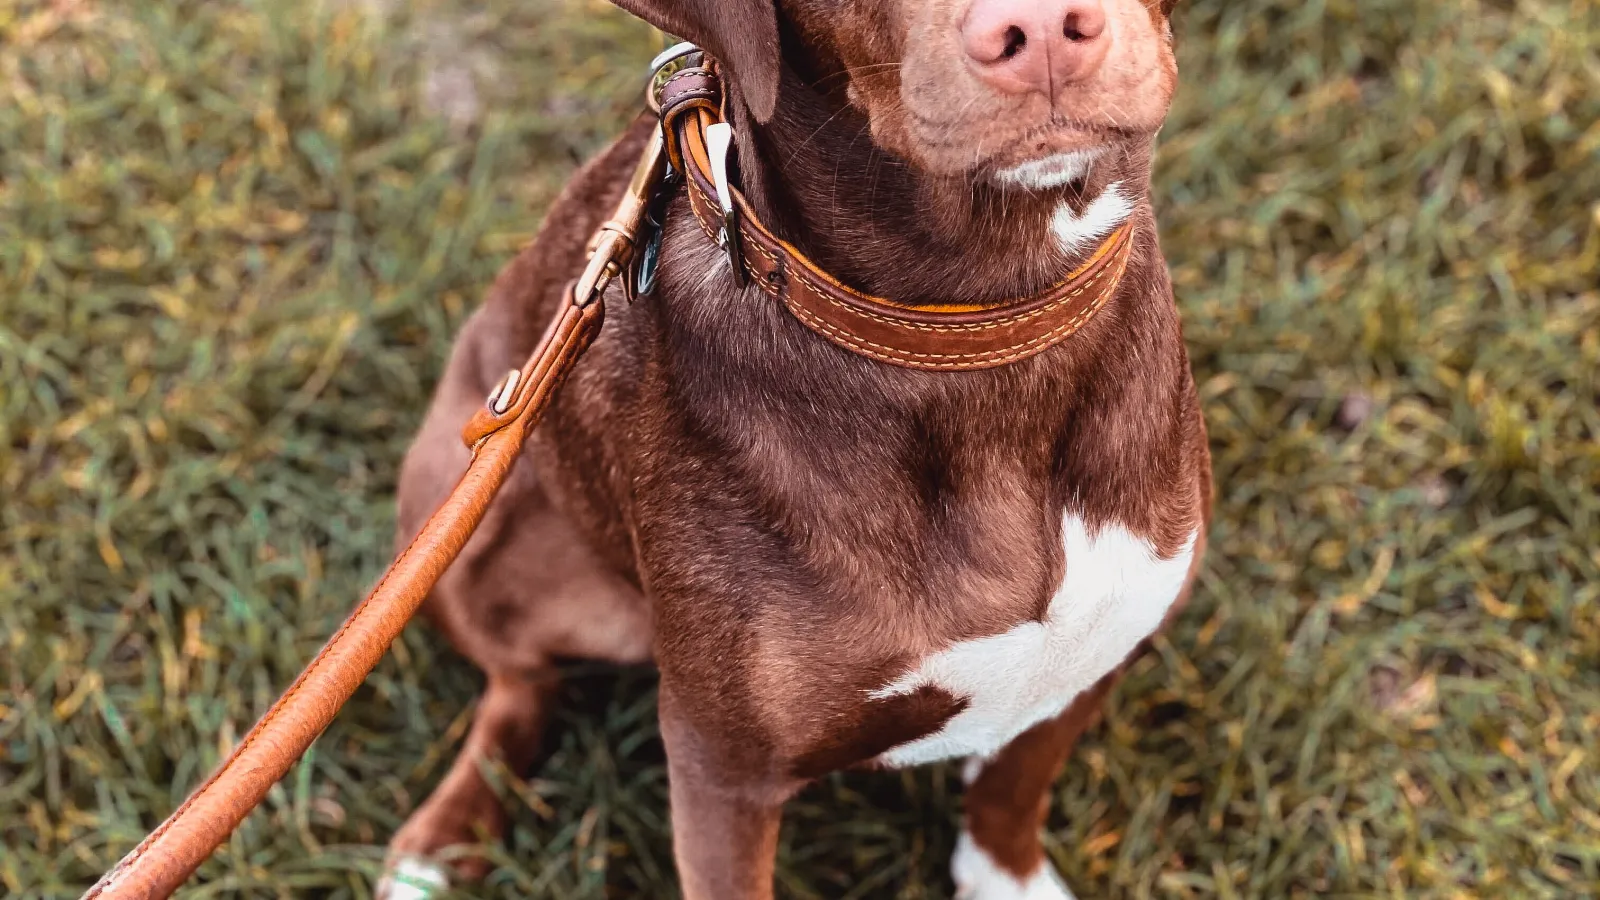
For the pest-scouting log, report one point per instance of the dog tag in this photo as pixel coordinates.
(644, 274)
(647, 261)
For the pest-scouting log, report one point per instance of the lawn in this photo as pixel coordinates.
(236, 237)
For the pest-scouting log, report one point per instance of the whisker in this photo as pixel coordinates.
(829, 121)
(867, 71)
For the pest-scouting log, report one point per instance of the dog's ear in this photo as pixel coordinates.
(741, 34)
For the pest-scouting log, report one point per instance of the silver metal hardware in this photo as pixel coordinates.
(719, 142)
(668, 63)
(676, 51)
(500, 398)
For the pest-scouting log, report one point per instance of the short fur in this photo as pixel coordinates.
(785, 528)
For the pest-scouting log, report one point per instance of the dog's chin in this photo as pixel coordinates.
(1056, 161)
(1063, 169)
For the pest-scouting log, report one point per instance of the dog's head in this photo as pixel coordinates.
(1021, 93)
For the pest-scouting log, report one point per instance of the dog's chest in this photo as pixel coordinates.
(1116, 592)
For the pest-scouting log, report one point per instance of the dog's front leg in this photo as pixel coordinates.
(506, 728)
(725, 817)
(999, 856)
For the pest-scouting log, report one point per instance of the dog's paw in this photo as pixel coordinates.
(410, 877)
(978, 877)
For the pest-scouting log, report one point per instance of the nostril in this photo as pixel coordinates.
(1016, 40)
(1084, 22)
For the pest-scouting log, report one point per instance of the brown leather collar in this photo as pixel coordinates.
(940, 338)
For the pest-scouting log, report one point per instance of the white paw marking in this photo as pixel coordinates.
(1115, 594)
(1076, 233)
(412, 878)
(979, 878)
(1051, 171)
(971, 769)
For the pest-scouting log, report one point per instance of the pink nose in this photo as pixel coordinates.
(1026, 46)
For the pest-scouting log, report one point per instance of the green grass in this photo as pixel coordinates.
(236, 237)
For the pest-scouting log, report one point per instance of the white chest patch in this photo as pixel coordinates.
(1115, 594)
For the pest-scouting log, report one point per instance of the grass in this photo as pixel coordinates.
(236, 237)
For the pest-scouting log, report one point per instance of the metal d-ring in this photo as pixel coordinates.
(668, 63)
(719, 142)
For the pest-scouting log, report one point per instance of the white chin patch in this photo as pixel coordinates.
(1077, 232)
(1051, 172)
(977, 877)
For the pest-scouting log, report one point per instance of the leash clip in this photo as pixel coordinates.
(719, 141)
(613, 247)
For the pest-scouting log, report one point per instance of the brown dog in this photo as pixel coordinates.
(835, 561)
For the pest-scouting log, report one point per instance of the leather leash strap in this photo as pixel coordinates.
(933, 337)
(167, 857)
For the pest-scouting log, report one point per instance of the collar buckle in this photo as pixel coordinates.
(719, 142)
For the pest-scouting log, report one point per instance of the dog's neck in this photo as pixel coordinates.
(816, 178)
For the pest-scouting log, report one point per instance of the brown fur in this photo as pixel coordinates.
(785, 527)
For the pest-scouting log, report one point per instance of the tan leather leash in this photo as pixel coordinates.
(686, 92)
(167, 857)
